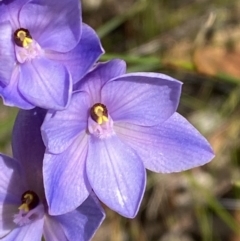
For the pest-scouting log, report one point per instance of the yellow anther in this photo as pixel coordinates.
(26, 201)
(99, 113)
(22, 38)
(28, 197)
(22, 35)
(102, 119)
(24, 207)
(98, 110)
(26, 42)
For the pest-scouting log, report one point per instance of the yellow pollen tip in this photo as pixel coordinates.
(99, 113)
(105, 119)
(98, 110)
(102, 119)
(22, 35)
(26, 42)
(24, 207)
(28, 198)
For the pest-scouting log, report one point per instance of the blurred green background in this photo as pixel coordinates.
(197, 42)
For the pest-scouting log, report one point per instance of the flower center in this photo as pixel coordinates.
(99, 113)
(29, 201)
(100, 123)
(31, 209)
(22, 38)
(25, 46)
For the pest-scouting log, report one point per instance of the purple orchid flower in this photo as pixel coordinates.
(24, 211)
(117, 125)
(44, 50)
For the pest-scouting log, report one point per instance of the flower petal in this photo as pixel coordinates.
(65, 181)
(4, 13)
(63, 127)
(11, 95)
(80, 59)
(12, 184)
(10, 11)
(141, 98)
(7, 54)
(26, 130)
(173, 146)
(52, 229)
(45, 83)
(11, 188)
(103, 72)
(55, 25)
(116, 175)
(7, 210)
(82, 223)
(30, 232)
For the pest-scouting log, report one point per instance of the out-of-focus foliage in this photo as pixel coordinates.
(7, 117)
(197, 42)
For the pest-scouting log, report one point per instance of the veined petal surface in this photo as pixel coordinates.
(30, 232)
(55, 25)
(93, 82)
(8, 207)
(11, 95)
(116, 175)
(82, 223)
(7, 54)
(173, 146)
(11, 188)
(45, 83)
(10, 11)
(65, 180)
(52, 230)
(11, 184)
(60, 130)
(80, 59)
(141, 98)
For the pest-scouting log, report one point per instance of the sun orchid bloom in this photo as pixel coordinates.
(117, 125)
(24, 210)
(44, 50)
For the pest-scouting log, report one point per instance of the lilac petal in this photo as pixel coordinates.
(80, 59)
(173, 146)
(7, 211)
(55, 25)
(142, 98)
(65, 181)
(26, 130)
(7, 59)
(63, 127)
(52, 230)
(10, 11)
(12, 183)
(103, 72)
(11, 95)
(45, 83)
(82, 223)
(116, 175)
(31, 232)
(4, 13)
(11, 188)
